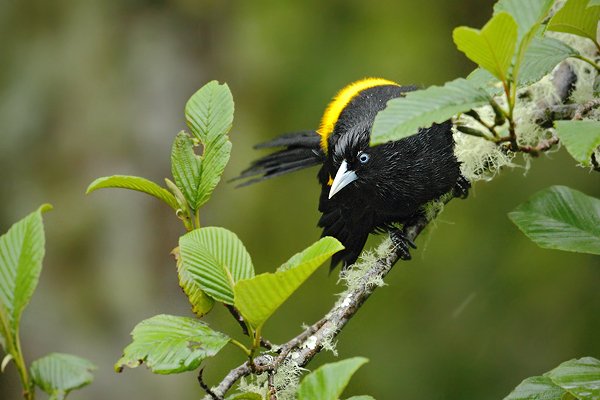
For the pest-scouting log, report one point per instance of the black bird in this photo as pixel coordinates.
(366, 189)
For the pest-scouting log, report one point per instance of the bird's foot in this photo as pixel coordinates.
(402, 243)
(461, 189)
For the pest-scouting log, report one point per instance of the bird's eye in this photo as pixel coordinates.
(363, 158)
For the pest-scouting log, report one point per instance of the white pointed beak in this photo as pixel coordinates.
(342, 178)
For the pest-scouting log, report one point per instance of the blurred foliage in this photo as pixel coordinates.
(91, 88)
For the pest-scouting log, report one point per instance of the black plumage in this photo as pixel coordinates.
(366, 189)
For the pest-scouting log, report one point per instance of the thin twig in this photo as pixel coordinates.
(542, 146)
(206, 387)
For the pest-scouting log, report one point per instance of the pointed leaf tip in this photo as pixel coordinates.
(259, 297)
(493, 46)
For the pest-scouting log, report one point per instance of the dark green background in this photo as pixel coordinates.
(93, 88)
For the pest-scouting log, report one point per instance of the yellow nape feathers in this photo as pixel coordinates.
(340, 101)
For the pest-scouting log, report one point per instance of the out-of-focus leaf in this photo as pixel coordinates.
(420, 109)
(579, 377)
(186, 167)
(561, 218)
(537, 388)
(57, 374)
(259, 297)
(577, 18)
(169, 344)
(134, 183)
(200, 301)
(580, 138)
(361, 397)
(493, 46)
(526, 13)
(543, 54)
(209, 115)
(214, 259)
(529, 15)
(21, 254)
(329, 381)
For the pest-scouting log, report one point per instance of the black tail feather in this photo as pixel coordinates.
(302, 150)
(295, 139)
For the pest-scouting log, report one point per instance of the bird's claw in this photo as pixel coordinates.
(402, 244)
(461, 189)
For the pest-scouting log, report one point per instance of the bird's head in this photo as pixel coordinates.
(345, 132)
(358, 165)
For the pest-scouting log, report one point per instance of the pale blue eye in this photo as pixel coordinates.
(363, 158)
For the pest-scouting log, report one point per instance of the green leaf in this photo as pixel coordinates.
(259, 297)
(200, 301)
(580, 138)
(543, 54)
(186, 167)
(57, 374)
(361, 397)
(528, 14)
(579, 377)
(134, 183)
(536, 388)
(577, 18)
(406, 115)
(169, 344)
(214, 259)
(561, 218)
(314, 255)
(493, 46)
(209, 112)
(481, 78)
(329, 381)
(594, 3)
(21, 254)
(209, 115)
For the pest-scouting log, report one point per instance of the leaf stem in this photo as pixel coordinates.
(13, 347)
(596, 43)
(510, 91)
(241, 346)
(197, 219)
(588, 60)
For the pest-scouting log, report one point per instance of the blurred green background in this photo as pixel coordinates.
(94, 88)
